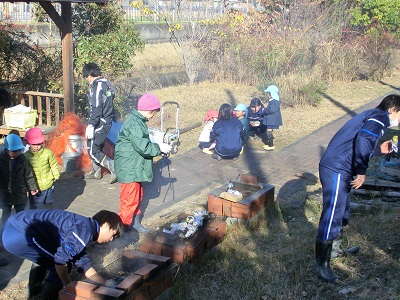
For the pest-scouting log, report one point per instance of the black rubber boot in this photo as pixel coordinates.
(35, 285)
(137, 225)
(96, 172)
(269, 144)
(323, 258)
(108, 163)
(50, 290)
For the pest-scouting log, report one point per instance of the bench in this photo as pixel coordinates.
(47, 106)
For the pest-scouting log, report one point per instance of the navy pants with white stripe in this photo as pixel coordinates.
(96, 145)
(336, 203)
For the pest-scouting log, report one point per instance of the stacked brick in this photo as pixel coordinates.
(191, 250)
(148, 282)
(256, 197)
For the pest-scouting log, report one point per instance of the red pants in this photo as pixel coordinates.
(130, 197)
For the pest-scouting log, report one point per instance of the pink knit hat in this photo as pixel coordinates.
(148, 102)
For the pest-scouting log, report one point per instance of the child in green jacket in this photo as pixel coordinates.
(45, 168)
(133, 159)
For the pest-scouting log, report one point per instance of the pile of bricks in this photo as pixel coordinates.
(255, 198)
(148, 276)
(191, 250)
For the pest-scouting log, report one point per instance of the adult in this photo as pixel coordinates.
(343, 166)
(54, 240)
(100, 116)
(228, 134)
(133, 156)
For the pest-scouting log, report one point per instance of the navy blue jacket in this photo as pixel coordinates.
(352, 146)
(60, 235)
(228, 136)
(101, 107)
(273, 113)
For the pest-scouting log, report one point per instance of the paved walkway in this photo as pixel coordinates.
(288, 169)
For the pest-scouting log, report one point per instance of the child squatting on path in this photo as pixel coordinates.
(204, 139)
(54, 240)
(16, 177)
(133, 159)
(227, 133)
(342, 167)
(45, 168)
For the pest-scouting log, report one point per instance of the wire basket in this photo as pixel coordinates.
(20, 120)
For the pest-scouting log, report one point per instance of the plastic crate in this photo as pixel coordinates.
(20, 120)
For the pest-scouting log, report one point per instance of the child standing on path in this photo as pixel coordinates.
(273, 115)
(133, 159)
(45, 168)
(16, 177)
(204, 138)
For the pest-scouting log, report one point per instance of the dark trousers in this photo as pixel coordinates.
(336, 203)
(95, 146)
(7, 208)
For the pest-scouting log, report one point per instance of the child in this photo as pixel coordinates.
(204, 138)
(241, 113)
(257, 122)
(133, 159)
(273, 115)
(16, 177)
(45, 168)
(228, 134)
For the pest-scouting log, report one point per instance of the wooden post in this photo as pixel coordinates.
(67, 58)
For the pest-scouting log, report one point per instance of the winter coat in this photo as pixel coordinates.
(16, 179)
(134, 152)
(352, 146)
(228, 135)
(273, 114)
(205, 133)
(101, 107)
(60, 236)
(45, 167)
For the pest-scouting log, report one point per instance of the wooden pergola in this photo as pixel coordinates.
(64, 24)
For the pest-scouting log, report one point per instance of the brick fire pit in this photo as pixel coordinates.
(182, 250)
(138, 276)
(256, 196)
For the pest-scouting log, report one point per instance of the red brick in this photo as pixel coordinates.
(161, 261)
(156, 287)
(141, 293)
(211, 242)
(147, 271)
(129, 283)
(63, 295)
(81, 288)
(106, 293)
(220, 227)
(248, 179)
(133, 254)
(166, 238)
(178, 257)
(151, 246)
(214, 204)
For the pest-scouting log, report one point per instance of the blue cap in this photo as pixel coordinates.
(241, 107)
(13, 142)
(273, 90)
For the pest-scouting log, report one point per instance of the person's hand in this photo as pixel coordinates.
(358, 182)
(165, 148)
(33, 193)
(386, 147)
(89, 132)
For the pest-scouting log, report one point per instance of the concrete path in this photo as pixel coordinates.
(288, 169)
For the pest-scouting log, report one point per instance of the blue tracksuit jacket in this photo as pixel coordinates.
(228, 136)
(49, 237)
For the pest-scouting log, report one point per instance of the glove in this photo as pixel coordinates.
(89, 132)
(165, 148)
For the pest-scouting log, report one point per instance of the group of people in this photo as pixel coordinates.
(226, 132)
(55, 239)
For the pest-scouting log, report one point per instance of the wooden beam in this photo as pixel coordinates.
(53, 14)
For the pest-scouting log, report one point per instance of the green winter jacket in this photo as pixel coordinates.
(134, 152)
(15, 182)
(45, 167)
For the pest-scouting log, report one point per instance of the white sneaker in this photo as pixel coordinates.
(268, 148)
